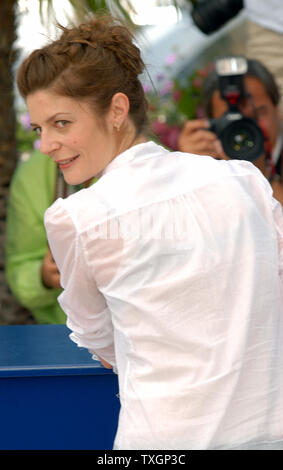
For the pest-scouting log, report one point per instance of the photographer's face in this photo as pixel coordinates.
(259, 106)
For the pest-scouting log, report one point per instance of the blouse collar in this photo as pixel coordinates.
(138, 150)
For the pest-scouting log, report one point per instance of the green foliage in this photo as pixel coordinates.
(26, 138)
(176, 102)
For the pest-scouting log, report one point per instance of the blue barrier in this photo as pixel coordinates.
(52, 394)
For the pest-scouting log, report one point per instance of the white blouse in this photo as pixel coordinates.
(171, 268)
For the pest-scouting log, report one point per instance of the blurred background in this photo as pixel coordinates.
(177, 54)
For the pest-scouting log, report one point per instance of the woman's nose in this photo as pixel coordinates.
(48, 144)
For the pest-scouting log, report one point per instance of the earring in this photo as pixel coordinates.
(117, 126)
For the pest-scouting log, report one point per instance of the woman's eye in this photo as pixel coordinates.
(61, 123)
(37, 130)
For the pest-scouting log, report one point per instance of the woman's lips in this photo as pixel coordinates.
(63, 164)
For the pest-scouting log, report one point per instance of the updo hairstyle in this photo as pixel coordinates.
(92, 61)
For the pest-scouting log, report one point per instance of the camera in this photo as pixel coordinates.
(210, 15)
(240, 136)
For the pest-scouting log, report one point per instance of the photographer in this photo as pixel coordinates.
(265, 36)
(264, 28)
(260, 104)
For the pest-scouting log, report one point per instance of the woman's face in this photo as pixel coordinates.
(72, 135)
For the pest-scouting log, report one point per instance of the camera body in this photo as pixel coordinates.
(240, 136)
(210, 15)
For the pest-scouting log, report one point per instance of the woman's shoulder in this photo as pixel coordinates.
(77, 211)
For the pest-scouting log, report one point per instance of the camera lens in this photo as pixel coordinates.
(242, 140)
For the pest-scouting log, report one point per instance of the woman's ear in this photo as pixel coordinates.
(119, 109)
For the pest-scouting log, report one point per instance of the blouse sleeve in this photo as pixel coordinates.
(278, 218)
(88, 316)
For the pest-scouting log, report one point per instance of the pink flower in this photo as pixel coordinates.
(200, 113)
(170, 59)
(167, 87)
(168, 135)
(177, 95)
(160, 76)
(36, 144)
(25, 121)
(197, 82)
(146, 88)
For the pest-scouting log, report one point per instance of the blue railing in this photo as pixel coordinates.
(52, 394)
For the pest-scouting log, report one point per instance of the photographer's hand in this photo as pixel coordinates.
(196, 137)
(49, 272)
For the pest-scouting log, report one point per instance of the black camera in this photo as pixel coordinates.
(210, 15)
(241, 137)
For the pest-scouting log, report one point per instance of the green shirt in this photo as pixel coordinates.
(32, 191)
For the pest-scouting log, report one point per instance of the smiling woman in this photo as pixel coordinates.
(168, 263)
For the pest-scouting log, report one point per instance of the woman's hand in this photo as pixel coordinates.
(104, 363)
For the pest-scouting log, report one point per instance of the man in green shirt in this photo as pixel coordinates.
(31, 272)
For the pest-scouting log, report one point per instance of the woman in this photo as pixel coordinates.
(170, 264)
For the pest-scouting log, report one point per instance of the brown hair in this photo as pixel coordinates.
(92, 61)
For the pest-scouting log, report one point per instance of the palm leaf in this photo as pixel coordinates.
(82, 7)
